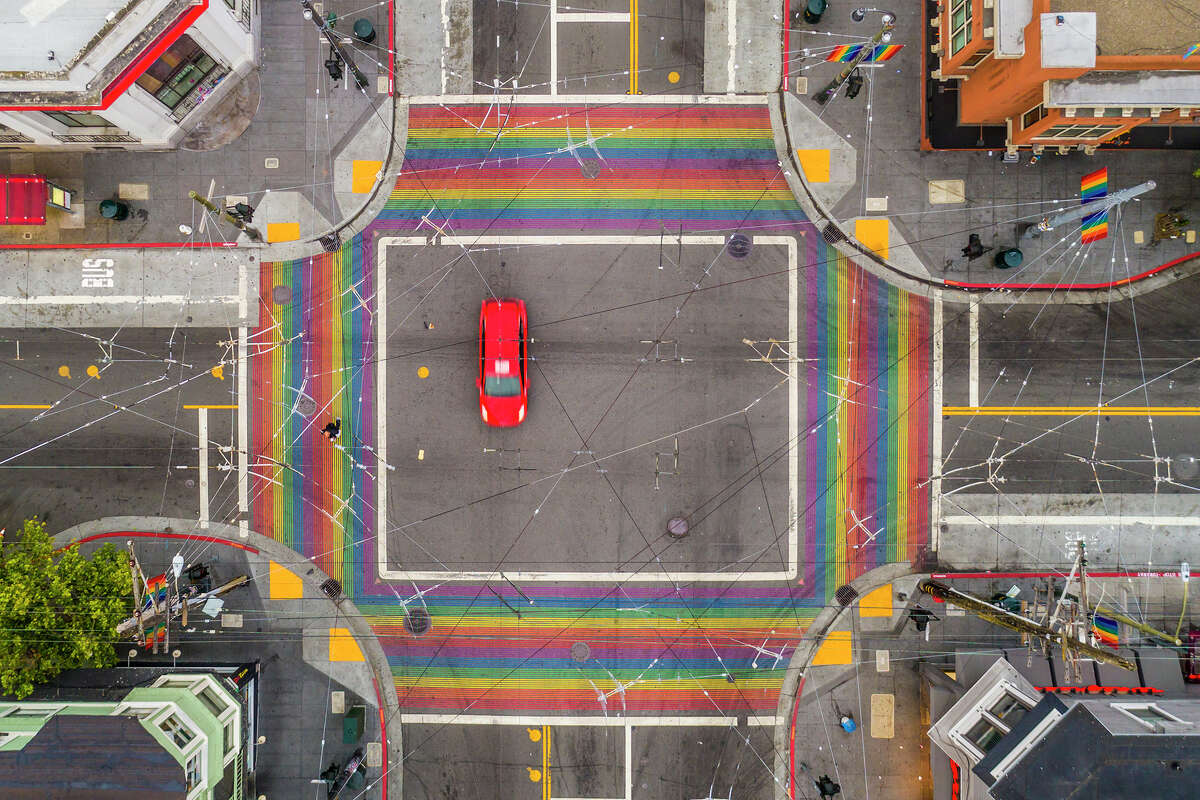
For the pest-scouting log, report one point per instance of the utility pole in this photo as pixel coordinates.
(884, 34)
(1086, 210)
(137, 579)
(225, 215)
(334, 44)
(1020, 624)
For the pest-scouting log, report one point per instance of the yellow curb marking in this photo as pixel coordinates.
(363, 175)
(873, 235)
(284, 584)
(834, 650)
(283, 231)
(876, 603)
(815, 164)
(342, 646)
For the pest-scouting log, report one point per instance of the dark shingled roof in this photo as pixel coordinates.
(1080, 760)
(91, 758)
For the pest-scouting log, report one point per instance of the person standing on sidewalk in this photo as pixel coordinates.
(333, 430)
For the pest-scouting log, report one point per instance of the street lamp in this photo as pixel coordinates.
(883, 35)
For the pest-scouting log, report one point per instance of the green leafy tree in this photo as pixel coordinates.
(58, 610)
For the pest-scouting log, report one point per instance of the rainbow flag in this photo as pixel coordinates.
(1092, 187)
(1105, 630)
(1193, 50)
(848, 52)
(156, 592)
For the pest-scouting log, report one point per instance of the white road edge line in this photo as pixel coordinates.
(973, 339)
(445, 40)
(118, 299)
(381, 409)
(595, 99)
(553, 47)
(731, 25)
(202, 433)
(1070, 519)
(243, 424)
(385, 573)
(628, 760)
(935, 483)
(593, 16)
(585, 721)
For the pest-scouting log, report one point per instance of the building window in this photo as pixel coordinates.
(1149, 715)
(177, 72)
(78, 119)
(194, 772)
(230, 736)
(212, 701)
(995, 721)
(973, 61)
(181, 734)
(984, 734)
(1084, 131)
(35, 713)
(1033, 116)
(960, 25)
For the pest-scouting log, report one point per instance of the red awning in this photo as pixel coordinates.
(22, 200)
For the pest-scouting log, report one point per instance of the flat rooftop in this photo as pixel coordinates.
(1137, 27)
(30, 29)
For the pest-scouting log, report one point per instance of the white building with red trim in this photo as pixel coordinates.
(118, 74)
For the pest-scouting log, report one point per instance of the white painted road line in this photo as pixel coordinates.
(381, 556)
(628, 760)
(594, 99)
(554, 47)
(973, 340)
(935, 483)
(243, 364)
(117, 300)
(730, 67)
(202, 431)
(381, 408)
(593, 16)
(995, 520)
(531, 720)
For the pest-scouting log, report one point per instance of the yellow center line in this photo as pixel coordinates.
(633, 47)
(1071, 411)
(545, 762)
(23, 405)
(194, 407)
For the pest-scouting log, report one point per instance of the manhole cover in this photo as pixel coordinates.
(417, 621)
(1185, 466)
(677, 527)
(306, 406)
(281, 294)
(739, 245)
(590, 167)
(580, 652)
(189, 483)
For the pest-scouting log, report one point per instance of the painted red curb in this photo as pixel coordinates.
(1091, 574)
(1072, 286)
(164, 535)
(792, 743)
(113, 245)
(382, 736)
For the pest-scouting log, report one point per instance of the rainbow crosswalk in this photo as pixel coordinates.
(696, 648)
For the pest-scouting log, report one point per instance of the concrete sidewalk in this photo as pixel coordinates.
(863, 168)
(317, 655)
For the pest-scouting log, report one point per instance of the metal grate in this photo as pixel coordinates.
(89, 138)
(417, 621)
(332, 589)
(845, 595)
(331, 242)
(832, 234)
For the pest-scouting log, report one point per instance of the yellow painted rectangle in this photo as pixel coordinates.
(876, 603)
(284, 584)
(23, 405)
(363, 175)
(834, 650)
(883, 716)
(815, 164)
(342, 646)
(283, 231)
(873, 235)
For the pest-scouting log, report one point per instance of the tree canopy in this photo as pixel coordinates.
(58, 609)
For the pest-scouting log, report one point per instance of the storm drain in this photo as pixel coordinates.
(417, 621)
(845, 595)
(332, 589)
(739, 245)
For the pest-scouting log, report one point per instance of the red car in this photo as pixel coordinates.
(503, 362)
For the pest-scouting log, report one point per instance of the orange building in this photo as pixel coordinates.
(1070, 73)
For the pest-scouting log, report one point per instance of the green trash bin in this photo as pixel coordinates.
(364, 31)
(1009, 257)
(114, 210)
(353, 724)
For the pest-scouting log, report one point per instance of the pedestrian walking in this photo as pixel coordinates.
(333, 430)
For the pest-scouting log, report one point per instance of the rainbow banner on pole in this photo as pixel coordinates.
(881, 52)
(1105, 629)
(156, 593)
(1193, 50)
(1092, 187)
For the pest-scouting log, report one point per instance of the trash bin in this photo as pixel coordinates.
(353, 724)
(364, 31)
(1009, 257)
(114, 210)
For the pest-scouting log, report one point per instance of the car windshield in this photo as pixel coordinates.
(501, 387)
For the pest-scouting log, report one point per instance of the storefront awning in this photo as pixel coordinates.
(22, 200)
